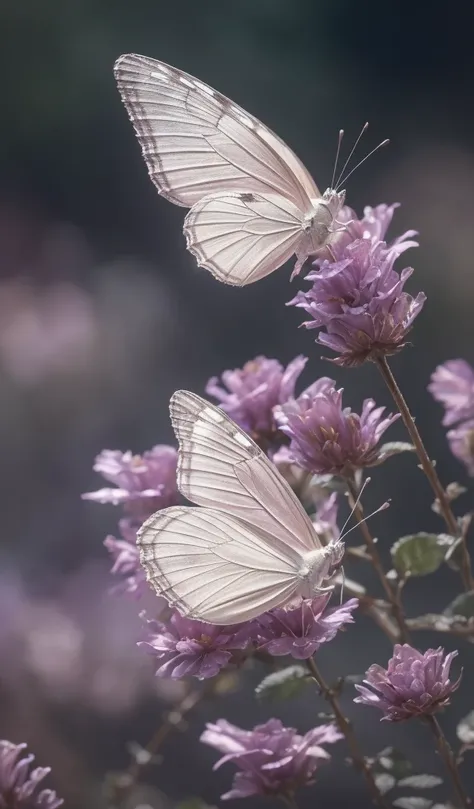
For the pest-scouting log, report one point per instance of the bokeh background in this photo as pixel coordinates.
(103, 314)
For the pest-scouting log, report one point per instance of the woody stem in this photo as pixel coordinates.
(392, 596)
(428, 468)
(345, 726)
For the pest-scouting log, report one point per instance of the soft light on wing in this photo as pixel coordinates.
(215, 568)
(219, 466)
(196, 141)
(241, 238)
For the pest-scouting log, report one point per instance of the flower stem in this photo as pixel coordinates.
(289, 801)
(393, 597)
(448, 757)
(172, 720)
(428, 468)
(346, 728)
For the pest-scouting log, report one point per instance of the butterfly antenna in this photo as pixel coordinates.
(364, 129)
(341, 182)
(372, 514)
(364, 485)
(339, 141)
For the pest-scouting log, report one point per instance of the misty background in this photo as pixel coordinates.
(103, 314)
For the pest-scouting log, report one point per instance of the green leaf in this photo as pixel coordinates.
(453, 491)
(418, 554)
(413, 803)
(443, 806)
(394, 762)
(462, 605)
(385, 782)
(454, 555)
(393, 448)
(227, 683)
(440, 623)
(465, 729)
(283, 684)
(193, 803)
(424, 781)
(329, 483)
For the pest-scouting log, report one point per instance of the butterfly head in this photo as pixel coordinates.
(320, 222)
(335, 552)
(334, 200)
(318, 568)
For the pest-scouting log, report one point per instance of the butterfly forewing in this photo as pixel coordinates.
(215, 567)
(220, 467)
(196, 141)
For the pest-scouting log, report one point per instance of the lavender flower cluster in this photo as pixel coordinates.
(142, 484)
(19, 785)
(452, 384)
(358, 303)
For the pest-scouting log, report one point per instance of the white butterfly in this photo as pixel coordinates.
(251, 546)
(253, 203)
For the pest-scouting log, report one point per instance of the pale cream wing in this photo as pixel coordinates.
(215, 568)
(219, 466)
(241, 238)
(196, 141)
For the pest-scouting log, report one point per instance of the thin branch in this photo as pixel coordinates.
(358, 759)
(449, 760)
(376, 608)
(125, 781)
(393, 596)
(428, 469)
(289, 801)
(457, 625)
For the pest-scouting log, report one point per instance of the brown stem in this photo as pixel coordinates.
(448, 757)
(393, 597)
(428, 468)
(289, 801)
(346, 728)
(173, 719)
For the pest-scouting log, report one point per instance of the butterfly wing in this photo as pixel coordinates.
(214, 567)
(241, 238)
(221, 468)
(196, 141)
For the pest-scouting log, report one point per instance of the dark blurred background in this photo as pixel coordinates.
(103, 314)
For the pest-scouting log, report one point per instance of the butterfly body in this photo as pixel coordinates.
(316, 568)
(320, 221)
(249, 546)
(252, 202)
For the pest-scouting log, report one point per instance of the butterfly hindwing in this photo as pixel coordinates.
(241, 238)
(214, 567)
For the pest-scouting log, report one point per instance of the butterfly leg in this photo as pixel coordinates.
(299, 265)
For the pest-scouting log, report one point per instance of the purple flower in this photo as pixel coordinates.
(327, 438)
(452, 384)
(19, 784)
(325, 519)
(272, 759)
(300, 631)
(186, 647)
(358, 297)
(461, 441)
(372, 227)
(253, 391)
(144, 483)
(126, 558)
(413, 685)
